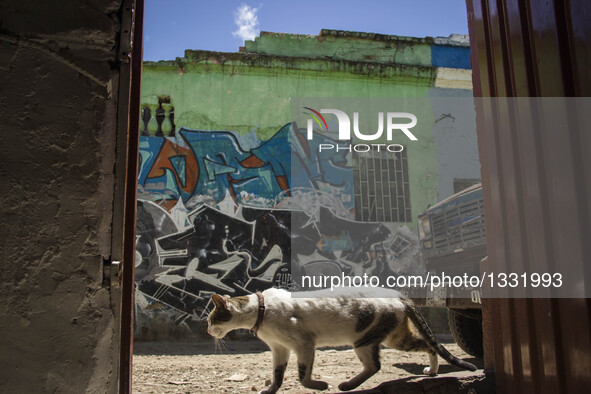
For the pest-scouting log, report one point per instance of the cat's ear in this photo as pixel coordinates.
(219, 301)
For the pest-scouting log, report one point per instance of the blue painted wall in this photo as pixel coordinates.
(452, 57)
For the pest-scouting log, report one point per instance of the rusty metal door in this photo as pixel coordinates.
(124, 216)
(537, 189)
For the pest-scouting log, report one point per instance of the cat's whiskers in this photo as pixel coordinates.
(220, 344)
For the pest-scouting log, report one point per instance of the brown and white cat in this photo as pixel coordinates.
(303, 324)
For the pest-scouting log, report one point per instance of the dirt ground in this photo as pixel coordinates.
(245, 367)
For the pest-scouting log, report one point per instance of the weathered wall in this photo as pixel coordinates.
(366, 47)
(262, 166)
(58, 82)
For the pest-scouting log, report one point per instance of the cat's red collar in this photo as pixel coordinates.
(260, 315)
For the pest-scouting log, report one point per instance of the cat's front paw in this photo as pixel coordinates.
(427, 371)
(272, 389)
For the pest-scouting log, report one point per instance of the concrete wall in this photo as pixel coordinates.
(59, 81)
(218, 179)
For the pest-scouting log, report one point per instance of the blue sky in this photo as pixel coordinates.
(171, 26)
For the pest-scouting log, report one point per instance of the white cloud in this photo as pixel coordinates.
(247, 22)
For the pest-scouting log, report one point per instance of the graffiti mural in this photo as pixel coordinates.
(212, 164)
(215, 217)
(198, 163)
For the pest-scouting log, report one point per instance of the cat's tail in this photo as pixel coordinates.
(419, 321)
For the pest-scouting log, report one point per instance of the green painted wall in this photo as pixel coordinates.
(250, 91)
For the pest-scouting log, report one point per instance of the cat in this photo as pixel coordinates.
(288, 323)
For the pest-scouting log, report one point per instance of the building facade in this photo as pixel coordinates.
(227, 180)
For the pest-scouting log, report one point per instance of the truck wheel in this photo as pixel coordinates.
(466, 328)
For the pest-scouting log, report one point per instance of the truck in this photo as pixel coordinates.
(452, 241)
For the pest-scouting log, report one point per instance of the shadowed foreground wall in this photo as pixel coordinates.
(58, 91)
